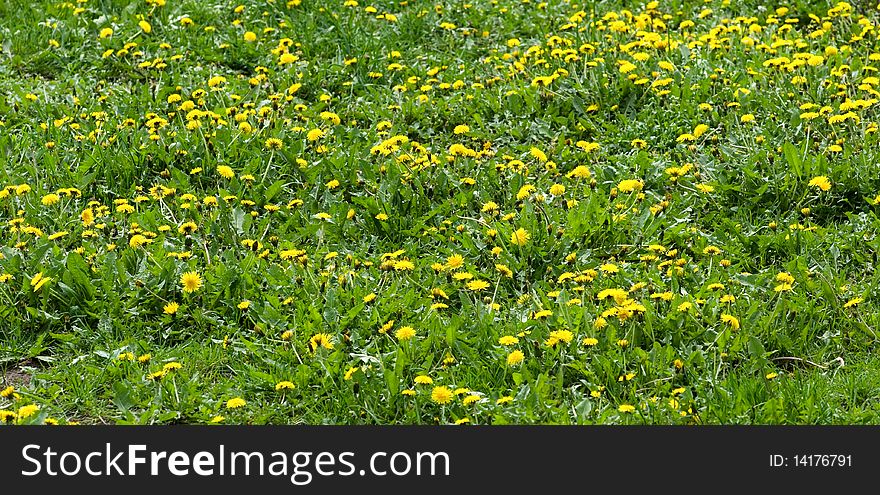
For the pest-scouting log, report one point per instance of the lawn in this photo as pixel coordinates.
(486, 212)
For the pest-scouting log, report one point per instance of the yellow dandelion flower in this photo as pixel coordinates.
(853, 302)
(38, 281)
(324, 340)
(27, 411)
(821, 181)
(508, 340)
(630, 185)
(514, 358)
(225, 171)
(441, 395)
(520, 237)
(731, 320)
(423, 380)
(87, 217)
(191, 282)
(405, 333)
(470, 399)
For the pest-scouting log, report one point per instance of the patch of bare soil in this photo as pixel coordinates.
(17, 376)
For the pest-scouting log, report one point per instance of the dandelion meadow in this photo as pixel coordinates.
(452, 212)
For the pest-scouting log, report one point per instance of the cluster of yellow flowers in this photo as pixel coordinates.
(267, 194)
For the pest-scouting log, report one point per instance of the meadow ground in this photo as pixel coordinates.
(485, 212)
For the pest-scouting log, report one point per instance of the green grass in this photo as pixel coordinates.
(699, 276)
